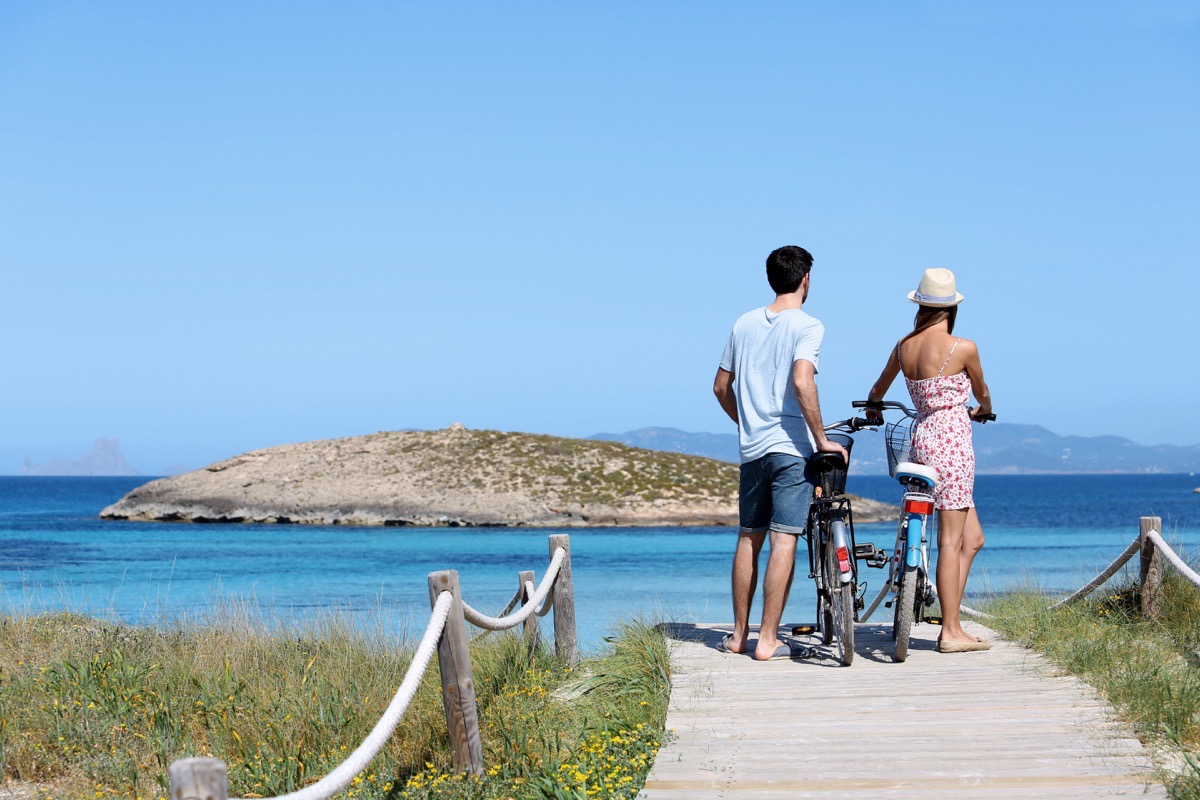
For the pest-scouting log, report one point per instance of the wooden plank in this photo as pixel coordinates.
(981, 725)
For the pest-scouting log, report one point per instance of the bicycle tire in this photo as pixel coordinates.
(825, 615)
(841, 601)
(906, 603)
(816, 549)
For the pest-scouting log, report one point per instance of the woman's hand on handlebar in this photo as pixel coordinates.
(975, 416)
(873, 409)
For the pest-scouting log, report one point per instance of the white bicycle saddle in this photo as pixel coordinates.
(907, 469)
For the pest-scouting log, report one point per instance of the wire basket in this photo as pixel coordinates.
(898, 437)
(835, 481)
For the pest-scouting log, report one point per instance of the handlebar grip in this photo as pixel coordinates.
(985, 418)
(858, 423)
(875, 404)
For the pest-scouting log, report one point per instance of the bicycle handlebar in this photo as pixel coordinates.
(852, 425)
(880, 405)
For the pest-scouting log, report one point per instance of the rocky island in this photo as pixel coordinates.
(452, 477)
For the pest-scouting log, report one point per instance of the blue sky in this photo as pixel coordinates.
(226, 226)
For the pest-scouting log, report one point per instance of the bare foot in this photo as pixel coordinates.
(764, 650)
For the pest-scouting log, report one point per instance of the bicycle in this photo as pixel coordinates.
(832, 552)
(908, 573)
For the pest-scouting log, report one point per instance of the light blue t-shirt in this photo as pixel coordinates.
(761, 351)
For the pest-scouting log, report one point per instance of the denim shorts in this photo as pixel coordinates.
(774, 494)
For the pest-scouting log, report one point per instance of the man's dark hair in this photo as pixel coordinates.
(786, 267)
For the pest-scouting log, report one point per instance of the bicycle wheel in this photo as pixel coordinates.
(841, 599)
(905, 604)
(816, 545)
(824, 617)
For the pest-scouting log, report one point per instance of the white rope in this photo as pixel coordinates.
(1134, 546)
(547, 604)
(1095, 583)
(357, 761)
(1173, 557)
(504, 623)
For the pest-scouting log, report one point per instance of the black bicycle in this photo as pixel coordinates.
(832, 552)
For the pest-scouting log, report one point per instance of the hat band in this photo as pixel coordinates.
(921, 297)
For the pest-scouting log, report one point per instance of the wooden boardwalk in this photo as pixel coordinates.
(996, 724)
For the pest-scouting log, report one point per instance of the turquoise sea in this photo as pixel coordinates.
(1053, 531)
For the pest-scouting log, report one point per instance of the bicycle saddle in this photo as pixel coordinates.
(907, 469)
(821, 463)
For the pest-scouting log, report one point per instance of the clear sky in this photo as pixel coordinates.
(226, 226)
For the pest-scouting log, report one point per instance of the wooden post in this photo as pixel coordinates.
(1152, 569)
(458, 689)
(199, 779)
(564, 604)
(530, 627)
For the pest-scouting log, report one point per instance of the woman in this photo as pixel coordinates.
(941, 370)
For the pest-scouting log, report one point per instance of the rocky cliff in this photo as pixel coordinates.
(451, 477)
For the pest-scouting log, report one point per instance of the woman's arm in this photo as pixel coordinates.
(974, 370)
(890, 370)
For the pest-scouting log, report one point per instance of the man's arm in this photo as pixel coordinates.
(804, 381)
(723, 389)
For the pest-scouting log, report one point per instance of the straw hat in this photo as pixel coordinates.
(936, 289)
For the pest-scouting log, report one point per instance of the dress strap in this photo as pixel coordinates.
(947, 361)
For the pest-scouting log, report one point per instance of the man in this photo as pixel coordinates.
(766, 384)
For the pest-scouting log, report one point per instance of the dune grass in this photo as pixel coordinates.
(1148, 669)
(94, 709)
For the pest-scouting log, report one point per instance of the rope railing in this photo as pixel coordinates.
(1177, 562)
(358, 760)
(536, 599)
(1149, 542)
(1153, 548)
(446, 632)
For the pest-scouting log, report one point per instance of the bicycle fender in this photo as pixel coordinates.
(912, 555)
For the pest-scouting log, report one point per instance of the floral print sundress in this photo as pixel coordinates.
(942, 437)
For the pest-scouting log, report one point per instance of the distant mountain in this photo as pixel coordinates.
(104, 459)
(1000, 448)
(721, 446)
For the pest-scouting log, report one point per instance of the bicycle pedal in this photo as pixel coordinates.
(798, 630)
(934, 620)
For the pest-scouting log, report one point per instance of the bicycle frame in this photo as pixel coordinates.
(823, 516)
(917, 508)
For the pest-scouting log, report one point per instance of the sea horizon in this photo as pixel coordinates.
(1052, 532)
